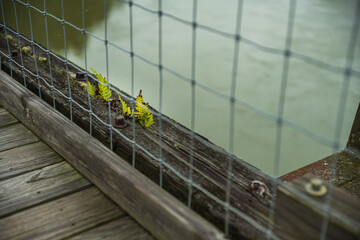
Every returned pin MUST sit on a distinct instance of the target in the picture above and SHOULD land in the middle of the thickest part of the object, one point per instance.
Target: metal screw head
(119, 122)
(316, 187)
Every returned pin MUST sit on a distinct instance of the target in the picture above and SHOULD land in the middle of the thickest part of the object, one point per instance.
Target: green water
(322, 30)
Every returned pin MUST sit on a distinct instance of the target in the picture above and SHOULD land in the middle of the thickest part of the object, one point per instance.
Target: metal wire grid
(346, 71)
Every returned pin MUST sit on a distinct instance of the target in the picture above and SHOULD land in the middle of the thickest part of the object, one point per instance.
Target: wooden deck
(44, 197)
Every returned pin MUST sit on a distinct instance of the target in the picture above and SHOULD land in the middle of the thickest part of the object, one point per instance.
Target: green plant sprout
(125, 109)
(92, 89)
(104, 91)
(144, 116)
(142, 112)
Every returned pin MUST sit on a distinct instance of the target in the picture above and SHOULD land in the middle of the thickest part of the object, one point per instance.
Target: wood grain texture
(296, 218)
(38, 186)
(26, 158)
(61, 218)
(210, 162)
(210, 166)
(6, 118)
(150, 205)
(15, 135)
(124, 228)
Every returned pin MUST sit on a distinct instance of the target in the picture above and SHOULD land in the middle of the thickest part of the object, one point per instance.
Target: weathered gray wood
(354, 137)
(39, 186)
(15, 135)
(145, 201)
(210, 163)
(62, 217)
(124, 228)
(26, 158)
(6, 118)
(297, 218)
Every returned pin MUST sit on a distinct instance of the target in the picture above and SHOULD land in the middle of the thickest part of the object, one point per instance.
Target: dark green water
(322, 30)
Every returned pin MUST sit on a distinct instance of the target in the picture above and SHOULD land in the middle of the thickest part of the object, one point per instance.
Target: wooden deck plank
(26, 158)
(38, 186)
(124, 228)
(61, 218)
(15, 135)
(144, 200)
(6, 118)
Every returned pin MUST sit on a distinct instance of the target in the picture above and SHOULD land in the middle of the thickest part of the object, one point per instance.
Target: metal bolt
(119, 122)
(14, 53)
(80, 76)
(316, 187)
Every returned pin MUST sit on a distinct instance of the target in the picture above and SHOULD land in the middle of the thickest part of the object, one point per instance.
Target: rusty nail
(14, 53)
(316, 187)
(120, 122)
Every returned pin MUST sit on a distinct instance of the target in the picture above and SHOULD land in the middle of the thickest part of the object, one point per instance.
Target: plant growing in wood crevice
(103, 91)
(102, 86)
(143, 114)
(92, 89)
(126, 111)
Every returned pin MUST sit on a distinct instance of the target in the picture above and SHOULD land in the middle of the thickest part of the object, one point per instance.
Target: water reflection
(93, 16)
(321, 30)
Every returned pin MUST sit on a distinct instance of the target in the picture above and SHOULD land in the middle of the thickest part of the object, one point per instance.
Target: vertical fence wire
(19, 43)
(193, 85)
(281, 106)
(237, 40)
(48, 55)
(160, 92)
(107, 74)
(66, 59)
(7, 38)
(132, 76)
(287, 53)
(33, 48)
(340, 115)
(83, 31)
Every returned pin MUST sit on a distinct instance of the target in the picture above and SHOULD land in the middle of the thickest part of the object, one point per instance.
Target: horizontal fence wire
(290, 124)
(347, 72)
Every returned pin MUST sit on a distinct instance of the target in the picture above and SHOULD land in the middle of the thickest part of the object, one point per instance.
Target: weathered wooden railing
(295, 216)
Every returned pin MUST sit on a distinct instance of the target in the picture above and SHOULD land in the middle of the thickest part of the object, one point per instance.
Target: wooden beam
(160, 213)
(210, 162)
(298, 218)
(354, 137)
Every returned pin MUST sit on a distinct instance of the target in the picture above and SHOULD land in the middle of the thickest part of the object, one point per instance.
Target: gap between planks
(32, 176)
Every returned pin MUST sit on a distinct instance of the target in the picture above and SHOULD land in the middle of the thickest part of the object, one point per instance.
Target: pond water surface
(322, 31)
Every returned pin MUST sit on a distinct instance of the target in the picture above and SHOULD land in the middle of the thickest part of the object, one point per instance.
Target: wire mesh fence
(347, 72)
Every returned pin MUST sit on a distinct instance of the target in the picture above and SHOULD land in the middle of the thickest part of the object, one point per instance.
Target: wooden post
(354, 137)
(297, 218)
(160, 213)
